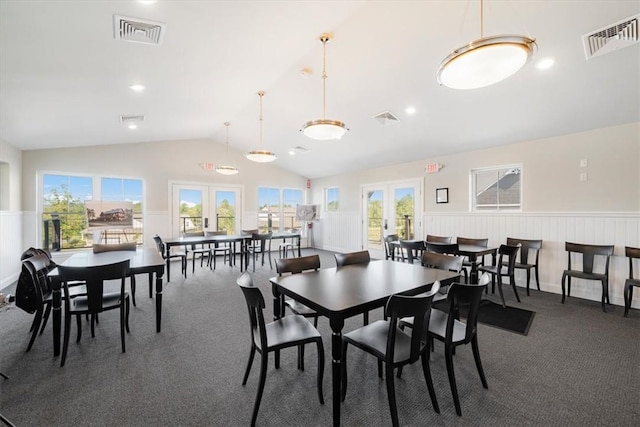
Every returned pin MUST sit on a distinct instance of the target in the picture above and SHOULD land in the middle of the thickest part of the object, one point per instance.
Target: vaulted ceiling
(64, 78)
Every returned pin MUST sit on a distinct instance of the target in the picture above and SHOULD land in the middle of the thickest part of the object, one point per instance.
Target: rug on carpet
(510, 319)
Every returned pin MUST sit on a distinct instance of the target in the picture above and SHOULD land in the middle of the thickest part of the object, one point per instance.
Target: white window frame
(498, 207)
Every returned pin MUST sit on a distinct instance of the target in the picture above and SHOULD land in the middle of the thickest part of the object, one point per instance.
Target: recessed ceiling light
(410, 110)
(147, 1)
(133, 126)
(292, 152)
(545, 63)
(136, 88)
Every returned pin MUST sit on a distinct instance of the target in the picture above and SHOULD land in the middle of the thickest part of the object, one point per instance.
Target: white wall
(11, 214)
(557, 206)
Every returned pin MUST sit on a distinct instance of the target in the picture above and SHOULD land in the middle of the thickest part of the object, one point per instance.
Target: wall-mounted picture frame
(442, 195)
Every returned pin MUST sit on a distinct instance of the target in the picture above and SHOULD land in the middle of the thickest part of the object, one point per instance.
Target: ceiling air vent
(131, 119)
(138, 30)
(386, 119)
(612, 37)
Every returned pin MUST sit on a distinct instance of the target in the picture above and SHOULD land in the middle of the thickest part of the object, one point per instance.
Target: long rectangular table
(342, 293)
(230, 238)
(144, 260)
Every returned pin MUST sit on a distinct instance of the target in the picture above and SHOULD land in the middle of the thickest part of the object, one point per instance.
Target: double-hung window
(496, 188)
(332, 199)
(277, 209)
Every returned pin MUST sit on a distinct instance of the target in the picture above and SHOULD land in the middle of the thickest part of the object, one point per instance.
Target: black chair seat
(289, 330)
(109, 301)
(438, 326)
(373, 339)
(633, 254)
(583, 275)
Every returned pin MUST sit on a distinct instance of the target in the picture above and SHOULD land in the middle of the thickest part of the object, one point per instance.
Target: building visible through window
(498, 188)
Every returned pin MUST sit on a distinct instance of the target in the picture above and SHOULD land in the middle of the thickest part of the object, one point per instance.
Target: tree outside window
(332, 196)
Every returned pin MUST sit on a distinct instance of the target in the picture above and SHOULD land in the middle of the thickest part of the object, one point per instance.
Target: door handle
(385, 225)
(206, 223)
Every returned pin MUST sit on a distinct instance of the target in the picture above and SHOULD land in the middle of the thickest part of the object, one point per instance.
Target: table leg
(473, 275)
(56, 314)
(299, 251)
(336, 365)
(278, 312)
(168, 255)
(158, 301)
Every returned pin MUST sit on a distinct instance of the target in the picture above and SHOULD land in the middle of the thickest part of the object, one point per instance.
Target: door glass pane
(404, 203)
(190, 211)
(374, 219)
(226, 211)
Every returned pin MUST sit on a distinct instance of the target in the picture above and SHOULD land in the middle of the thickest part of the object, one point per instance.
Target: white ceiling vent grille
(387, 118)
(610, 38)
(138, 30)
(131, 119)
(300, 149)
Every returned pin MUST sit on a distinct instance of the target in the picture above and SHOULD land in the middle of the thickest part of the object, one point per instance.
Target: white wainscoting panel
(338, 232)
(10, 246)
(619, 229)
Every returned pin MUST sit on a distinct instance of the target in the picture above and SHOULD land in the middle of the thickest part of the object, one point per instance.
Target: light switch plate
(583, 176)
(583, 163)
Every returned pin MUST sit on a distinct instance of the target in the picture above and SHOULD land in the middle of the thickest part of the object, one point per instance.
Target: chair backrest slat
(511, 252)
(128, 246)
(443, 248)
(442, 261)
(297, 265)
(418, 307)
(255, 305)
(473, 242)
(437, 239)
(351, 258)
(463, 294)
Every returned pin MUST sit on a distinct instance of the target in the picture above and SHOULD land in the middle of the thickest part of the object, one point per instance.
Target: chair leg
(564, 276)
(320, 349)
(263, 376)
(426, 370)
(528, 279)
(252, 353)
(301, 357)
(122, 323)
(504, 305)
(628, 297)
(47, 311)
(169, 269)
(476, 356)
(537, 278)
(79, 328)
(126, 313)
(391, 394)
(605, 295)
(448, 353)
(35, 327)
(365, 318)
(93, 327)
(133, 289)
(512, 279)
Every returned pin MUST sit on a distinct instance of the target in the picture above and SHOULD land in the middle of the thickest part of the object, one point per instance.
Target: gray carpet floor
(577, 366)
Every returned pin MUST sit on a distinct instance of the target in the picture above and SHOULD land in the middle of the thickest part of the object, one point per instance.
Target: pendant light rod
(227, 124)
(260, 94)
(324, 38)
(481, 18)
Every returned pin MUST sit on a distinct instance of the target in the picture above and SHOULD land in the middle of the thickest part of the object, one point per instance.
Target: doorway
(390, 208)
(205, 208)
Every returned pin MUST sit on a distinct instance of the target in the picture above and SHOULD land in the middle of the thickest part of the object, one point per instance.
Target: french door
(390, 208)
(206, 208)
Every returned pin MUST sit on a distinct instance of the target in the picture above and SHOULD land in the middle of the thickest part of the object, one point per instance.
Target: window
(497, 188)
(277, 209)
(64, 212)
(331, 199)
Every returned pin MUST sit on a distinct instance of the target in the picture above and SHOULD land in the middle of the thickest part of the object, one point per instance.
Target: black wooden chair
(223, 249)
(394, 347)
(588, 253)
(411, 250)
(260, 244)
(631, 282)
(448, 249)
(296, 266)
(354, 258)
(528, 248)
(446, 327)
(437, 239)
(390, 248)
(174, 255)
(503, 268)
(442, 262)
(96, 299)
(200, 251)
(288, 331)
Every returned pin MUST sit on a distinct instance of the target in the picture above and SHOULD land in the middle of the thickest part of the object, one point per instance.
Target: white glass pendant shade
(261, 156)
(485, 61)
(227, 170)
(324, 130)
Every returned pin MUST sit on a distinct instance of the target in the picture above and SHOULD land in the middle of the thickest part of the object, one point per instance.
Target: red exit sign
(433, 167)
(208, 166)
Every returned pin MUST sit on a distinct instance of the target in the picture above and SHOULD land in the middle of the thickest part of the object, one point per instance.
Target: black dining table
(473, 252)
(351, 290)
(227, 238)
(143, 260)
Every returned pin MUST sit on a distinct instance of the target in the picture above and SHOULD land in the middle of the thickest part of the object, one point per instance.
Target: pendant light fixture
(324, 129)
(485, 61)
(261, 155)
(227, 169)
